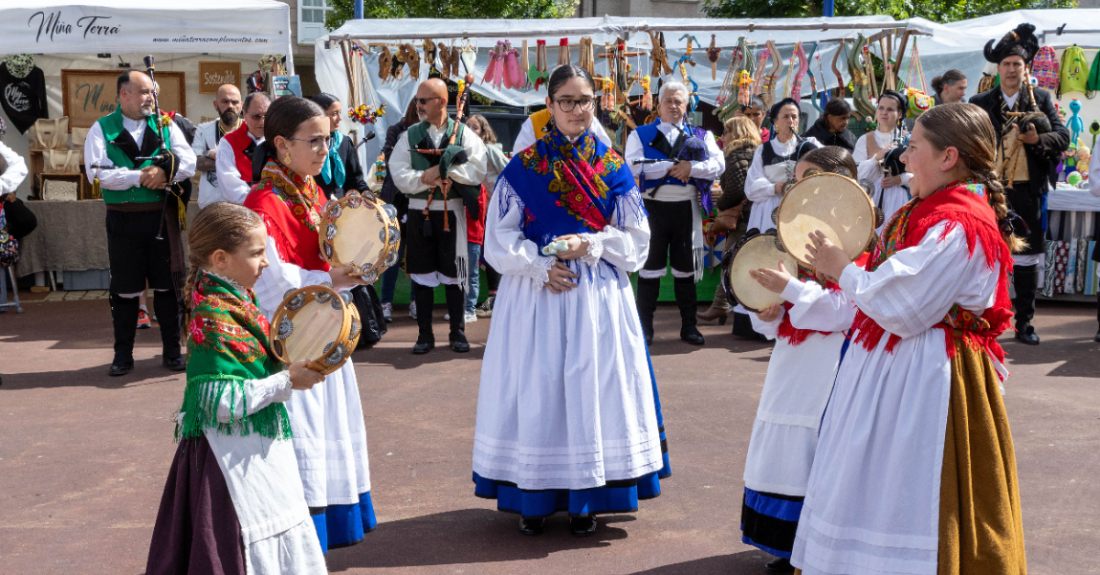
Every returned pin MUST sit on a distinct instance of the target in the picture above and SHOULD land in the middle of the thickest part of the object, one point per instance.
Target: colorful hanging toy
(744, 89)
(364, 114)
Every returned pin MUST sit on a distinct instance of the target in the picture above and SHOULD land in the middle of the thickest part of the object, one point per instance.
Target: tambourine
(760, 251)
(317, 324)
(362, 232)
(838, 206)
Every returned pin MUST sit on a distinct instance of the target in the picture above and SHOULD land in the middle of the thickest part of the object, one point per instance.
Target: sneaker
(470, 317)
(143, 318)
(486, 307)
(387, 312)
(412, 310)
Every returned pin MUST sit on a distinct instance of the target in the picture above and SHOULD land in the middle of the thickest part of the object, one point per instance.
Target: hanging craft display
(647, 96)
(537, 73)
(412, 60)
(658, 55)
(430, 54)
(494, 72)
(468, 57)
(861, 84)
(919, 100)
(840, 91)
(563, 52)
(587, 58)
(772, 79)
(513, 76)
(803, 66)
(712, 54)
(823, 98)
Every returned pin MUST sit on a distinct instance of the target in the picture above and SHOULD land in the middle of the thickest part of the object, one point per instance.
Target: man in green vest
(435, 236)
(139, 159)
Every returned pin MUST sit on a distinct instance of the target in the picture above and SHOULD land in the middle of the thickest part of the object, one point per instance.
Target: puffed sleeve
(506, 247)
(915, 288)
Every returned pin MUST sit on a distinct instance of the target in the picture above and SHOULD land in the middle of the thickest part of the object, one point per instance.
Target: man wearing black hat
(1025, 157)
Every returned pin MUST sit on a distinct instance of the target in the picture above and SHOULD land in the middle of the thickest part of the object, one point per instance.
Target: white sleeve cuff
(539, 270)
(595, 248)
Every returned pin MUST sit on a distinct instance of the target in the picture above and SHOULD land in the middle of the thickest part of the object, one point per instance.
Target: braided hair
(967, 128)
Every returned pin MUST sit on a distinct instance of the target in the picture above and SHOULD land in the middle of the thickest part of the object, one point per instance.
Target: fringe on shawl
(869, 333)
(202, 397)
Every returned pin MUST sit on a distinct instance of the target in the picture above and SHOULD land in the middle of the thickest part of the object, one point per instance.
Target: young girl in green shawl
(233, 502)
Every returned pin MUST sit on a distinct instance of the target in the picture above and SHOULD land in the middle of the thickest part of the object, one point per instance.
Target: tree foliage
(936, 10)
(344, 10)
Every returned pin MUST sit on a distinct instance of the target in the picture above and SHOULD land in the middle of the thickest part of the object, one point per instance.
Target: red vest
(239, 139)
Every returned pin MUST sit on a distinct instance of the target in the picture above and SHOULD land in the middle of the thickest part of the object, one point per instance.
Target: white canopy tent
(73, 34)
(941, 47)
(483, 34)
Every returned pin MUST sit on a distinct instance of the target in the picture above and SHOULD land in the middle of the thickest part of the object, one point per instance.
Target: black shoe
(692, 336)
(582, 526)
(1096, 337)
(121, 367)
(532, 527)
(175, 363)
(1026, 335)
(424, 344)
(779, 566)
(459, 344)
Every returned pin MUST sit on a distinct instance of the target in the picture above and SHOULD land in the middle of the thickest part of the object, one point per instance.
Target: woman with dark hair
(330, 439)
(567, 416)
(808, 330)
(915, 471)
(831, 129)
(873, 148)
(773, 163)
(391, 195)
(342, 170)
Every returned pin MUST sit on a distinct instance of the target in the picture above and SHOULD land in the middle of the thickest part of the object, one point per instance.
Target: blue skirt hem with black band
(769, 521)
(344, 525)
(614, 497)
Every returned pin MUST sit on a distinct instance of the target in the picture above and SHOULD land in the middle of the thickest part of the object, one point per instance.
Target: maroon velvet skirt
(197, 530)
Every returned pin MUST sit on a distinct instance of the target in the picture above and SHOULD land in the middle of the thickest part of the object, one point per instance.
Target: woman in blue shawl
(567, 416)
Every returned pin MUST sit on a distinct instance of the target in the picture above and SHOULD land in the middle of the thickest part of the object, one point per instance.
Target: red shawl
(965, 205)
(290, 206)
(239, 139)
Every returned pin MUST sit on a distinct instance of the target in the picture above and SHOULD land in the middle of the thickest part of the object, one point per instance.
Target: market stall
(61, 59)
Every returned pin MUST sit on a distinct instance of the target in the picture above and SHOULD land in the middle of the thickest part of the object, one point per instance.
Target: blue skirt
(769, 521)
(344, 525)
(614, 497)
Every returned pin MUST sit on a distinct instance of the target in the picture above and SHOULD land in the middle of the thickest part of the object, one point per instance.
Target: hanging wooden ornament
(385, 60)
(469, 58)
(712, 54)
(524, 65)
(563, 52)
(430, 53)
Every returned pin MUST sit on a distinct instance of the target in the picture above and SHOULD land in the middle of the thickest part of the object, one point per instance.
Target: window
(311, 20)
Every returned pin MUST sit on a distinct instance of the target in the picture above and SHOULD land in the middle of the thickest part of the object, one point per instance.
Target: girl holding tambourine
(915, 470)
(809, 333)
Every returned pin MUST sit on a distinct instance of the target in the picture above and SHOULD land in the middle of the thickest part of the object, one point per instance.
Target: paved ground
(83, 457)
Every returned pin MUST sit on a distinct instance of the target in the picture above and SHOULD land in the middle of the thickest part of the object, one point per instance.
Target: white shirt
(1010, 101)
(230, 184)
(408, 180)
(206, 139)
(527, 138)
(112, 178)
(709, 169)
(16, 171)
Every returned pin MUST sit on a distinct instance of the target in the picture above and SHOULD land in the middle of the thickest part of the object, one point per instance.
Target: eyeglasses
(257, 117)
(318, 143)
(423, 101)
(569, 104)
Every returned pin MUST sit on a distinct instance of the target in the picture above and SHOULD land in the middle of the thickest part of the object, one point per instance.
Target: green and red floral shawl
(227, 345)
